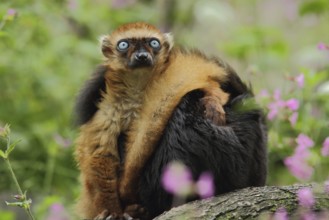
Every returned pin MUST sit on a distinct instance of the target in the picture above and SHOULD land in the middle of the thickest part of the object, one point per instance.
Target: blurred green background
(49, 48)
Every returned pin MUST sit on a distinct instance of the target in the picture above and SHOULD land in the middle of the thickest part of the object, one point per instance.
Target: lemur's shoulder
(231, 82)
(90, 95)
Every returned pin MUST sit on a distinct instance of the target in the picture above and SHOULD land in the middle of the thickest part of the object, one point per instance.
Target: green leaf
(314, 7)
(20, 204)
(2, 154)
(12, 147)
(27, 203)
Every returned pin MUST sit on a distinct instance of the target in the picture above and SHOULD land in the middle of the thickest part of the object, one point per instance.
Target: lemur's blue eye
(123, 45)
(154, 43)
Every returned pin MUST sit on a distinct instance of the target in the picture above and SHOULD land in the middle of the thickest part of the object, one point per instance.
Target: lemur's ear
(105, 45)
(170, 39)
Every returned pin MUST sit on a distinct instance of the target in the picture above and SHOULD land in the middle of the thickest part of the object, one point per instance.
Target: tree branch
(248, 203)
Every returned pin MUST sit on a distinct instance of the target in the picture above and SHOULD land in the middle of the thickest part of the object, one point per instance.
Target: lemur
(133, 94)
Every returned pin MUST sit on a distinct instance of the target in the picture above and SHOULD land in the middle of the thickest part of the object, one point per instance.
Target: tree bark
(249, 203)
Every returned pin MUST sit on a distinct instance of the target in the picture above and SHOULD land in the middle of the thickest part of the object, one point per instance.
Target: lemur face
(137, 45)
(139, 52)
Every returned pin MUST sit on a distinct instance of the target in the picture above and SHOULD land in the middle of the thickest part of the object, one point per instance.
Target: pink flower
(263, 94)
(292, 104)
(304, 143)
(277, 94)
(297, 163)
(300, 80)
(11, 12)
(274, 111)
(61, 141)
(177, 179)
(304, 140)
(322, 46)
(276, 105)
(205, 185)
(305, 197)
(302, 152)
(281, 214)
(57, 207)
(298, 167)
(293, 118)
(274, 108)
(325, 148)
(57, 212)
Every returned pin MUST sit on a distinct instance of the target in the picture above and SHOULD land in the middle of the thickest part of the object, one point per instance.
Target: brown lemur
(144, 80)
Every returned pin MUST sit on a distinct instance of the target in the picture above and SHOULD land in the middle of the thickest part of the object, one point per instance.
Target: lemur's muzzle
(141, 58)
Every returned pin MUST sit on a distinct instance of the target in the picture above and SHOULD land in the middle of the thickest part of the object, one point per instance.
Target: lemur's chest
(122, 100)
(118, 113)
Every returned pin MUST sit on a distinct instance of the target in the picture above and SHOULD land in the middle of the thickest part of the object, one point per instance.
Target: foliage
(22, 200)
(48, 48)
(310, 122)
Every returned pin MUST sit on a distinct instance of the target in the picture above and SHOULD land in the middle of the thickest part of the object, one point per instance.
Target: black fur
(89, 96)
(235, 154)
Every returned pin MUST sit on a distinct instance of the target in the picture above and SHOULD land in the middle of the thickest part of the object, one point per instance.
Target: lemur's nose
(142, 56)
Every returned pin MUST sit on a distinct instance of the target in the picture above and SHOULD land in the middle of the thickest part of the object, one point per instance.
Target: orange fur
(96, 151)
(98, 156)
